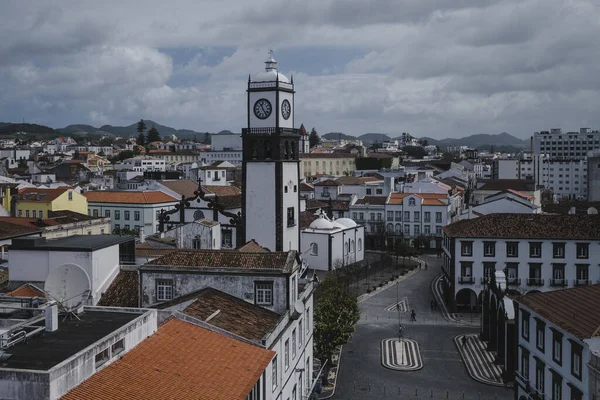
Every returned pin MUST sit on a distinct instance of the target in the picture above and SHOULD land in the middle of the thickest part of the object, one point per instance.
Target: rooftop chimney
(51, 318)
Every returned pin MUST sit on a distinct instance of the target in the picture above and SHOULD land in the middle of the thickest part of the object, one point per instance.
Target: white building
(270, 280)
(142, 164)
(566, 178)
(99, 256)
(270, 168)
(505, 202)
(219, 173)
(539, 252)
(557, 344)
(130, 210)
(330, 244)
(567, 146)
(224, 147)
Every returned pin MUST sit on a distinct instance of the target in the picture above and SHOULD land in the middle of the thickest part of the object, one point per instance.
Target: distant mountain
(337, 136)
(131, 130)
(224, 132)
(370, 138)
(34, 130)
(481, 141)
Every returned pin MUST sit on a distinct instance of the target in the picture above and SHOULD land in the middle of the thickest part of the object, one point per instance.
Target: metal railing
(558, 282)
(535, 281)
(466, 279)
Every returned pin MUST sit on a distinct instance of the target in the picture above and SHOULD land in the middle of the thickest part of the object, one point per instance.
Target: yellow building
(36, 202)
(336, 164)
(5, 193)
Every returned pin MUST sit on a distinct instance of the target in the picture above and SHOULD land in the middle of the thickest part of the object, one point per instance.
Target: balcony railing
(466, 279)
(558, 282)
(513, 281)
(535, 282)
(581, 282)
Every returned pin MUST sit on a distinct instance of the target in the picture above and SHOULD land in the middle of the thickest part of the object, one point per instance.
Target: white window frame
(263, 293)
(164, 289)
(286, 354)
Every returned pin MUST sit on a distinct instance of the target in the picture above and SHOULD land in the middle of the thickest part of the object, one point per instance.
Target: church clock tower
(270, 163)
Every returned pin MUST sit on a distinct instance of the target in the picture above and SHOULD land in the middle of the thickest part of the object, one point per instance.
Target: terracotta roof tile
(312, 204)
(281, 261)
(10, 230)
(41, 195)
(306, 187)
(373, 200)
(521, 194)
(306, 218)
(328, 182)
(528, 226)
(522, 185)
(26, 290)
(180, 361)
(429, 199)
(184, 187)
(564, 308)
(123, 291)
(252, 247)
(234, 315)
(148, 197)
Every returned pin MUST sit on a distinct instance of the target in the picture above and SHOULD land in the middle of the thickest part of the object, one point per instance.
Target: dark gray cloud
(430, 67)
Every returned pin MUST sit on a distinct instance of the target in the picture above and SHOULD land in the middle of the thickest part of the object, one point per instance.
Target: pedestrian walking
(413, 316)
(464, 341)
(426, 266)
(400, 331)
(432, 304)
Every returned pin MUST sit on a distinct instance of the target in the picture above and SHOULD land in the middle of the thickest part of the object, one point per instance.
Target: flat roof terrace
(48, 349)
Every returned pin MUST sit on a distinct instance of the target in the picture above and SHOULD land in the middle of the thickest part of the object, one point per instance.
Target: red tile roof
(429, 199)
(149, 197)
(575, 310)
(228, 312)
(528, 226)
(41, 195)
(123, 291)
(252, 247)
(180, 361)
(328, 182)
(10, 230)
(281, 261)
(27, 290)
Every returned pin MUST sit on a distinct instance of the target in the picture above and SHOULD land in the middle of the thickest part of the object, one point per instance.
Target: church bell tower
(270, 163)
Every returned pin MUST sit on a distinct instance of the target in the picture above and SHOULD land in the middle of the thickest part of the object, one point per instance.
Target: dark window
(512, 249)
(489, 249)
(583, 250)
(535, 250)
(525, 325)
(539, 375)
(489, 269)
(368, 191)
(136, 215)
(291, 219)
(524, 364)
(118, 347)
(558, 250)
(576, 364)
(263, 293)
(557, 347)
(126, 215)
(466, 249)
(102, 357)
(107, 213)
(575, 393)
(540, 335)
(556, 386)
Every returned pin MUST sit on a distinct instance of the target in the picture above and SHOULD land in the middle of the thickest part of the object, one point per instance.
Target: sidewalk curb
(337, 370)
(388, 285)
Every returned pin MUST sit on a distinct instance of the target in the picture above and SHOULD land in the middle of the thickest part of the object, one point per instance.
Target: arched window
(390, 228)
(359, 244)
(314, 249)
(353, 246)
(346, 248)
(398, 229)
(293, 150)
(411, 201)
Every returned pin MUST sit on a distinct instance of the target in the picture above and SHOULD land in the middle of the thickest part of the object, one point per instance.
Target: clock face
(262, 108)
(286, 109)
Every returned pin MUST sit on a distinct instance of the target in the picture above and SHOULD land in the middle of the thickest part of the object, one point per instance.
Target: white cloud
(430, 67)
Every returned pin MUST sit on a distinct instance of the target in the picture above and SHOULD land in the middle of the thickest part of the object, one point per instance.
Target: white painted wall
(260, 199)
(262, 123)
(289, 122)
(291, 234)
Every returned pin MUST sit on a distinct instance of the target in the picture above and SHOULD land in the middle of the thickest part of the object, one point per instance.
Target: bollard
(383, 390)
(446, 394)
(399, 390)
(416, 392)
(431, 394)
(463, 395)
(479, 395)
(369, 384)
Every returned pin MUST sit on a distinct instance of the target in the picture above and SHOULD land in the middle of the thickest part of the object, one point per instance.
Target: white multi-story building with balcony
(558, 344)
(537, 253)
(142, 164)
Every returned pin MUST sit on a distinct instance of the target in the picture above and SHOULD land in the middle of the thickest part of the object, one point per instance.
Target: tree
(414, 151)
(424, 142)
(336, 313)
(314, 138)
(141, 130)
(153, 135)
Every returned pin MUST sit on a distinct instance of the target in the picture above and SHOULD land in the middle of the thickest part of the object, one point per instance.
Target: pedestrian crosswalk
(401, 306)
(479, 361)
(401, 354)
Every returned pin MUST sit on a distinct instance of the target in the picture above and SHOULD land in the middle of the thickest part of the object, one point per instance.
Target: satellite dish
(592, 210)
(299, 306)
(68, 284)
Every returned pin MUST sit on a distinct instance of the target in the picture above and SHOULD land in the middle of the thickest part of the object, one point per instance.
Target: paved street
(371, 365)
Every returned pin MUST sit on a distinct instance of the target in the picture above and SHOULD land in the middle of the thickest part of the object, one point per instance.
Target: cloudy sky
(438, 68)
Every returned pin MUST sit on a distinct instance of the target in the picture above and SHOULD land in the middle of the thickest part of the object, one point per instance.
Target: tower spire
(270, 64)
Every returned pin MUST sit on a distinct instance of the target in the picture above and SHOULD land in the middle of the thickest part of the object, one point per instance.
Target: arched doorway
(466, 300)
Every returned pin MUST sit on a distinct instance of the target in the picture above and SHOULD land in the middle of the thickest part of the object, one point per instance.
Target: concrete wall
(291, 234)
(210, 237)
(240, 286)
(593, 174)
